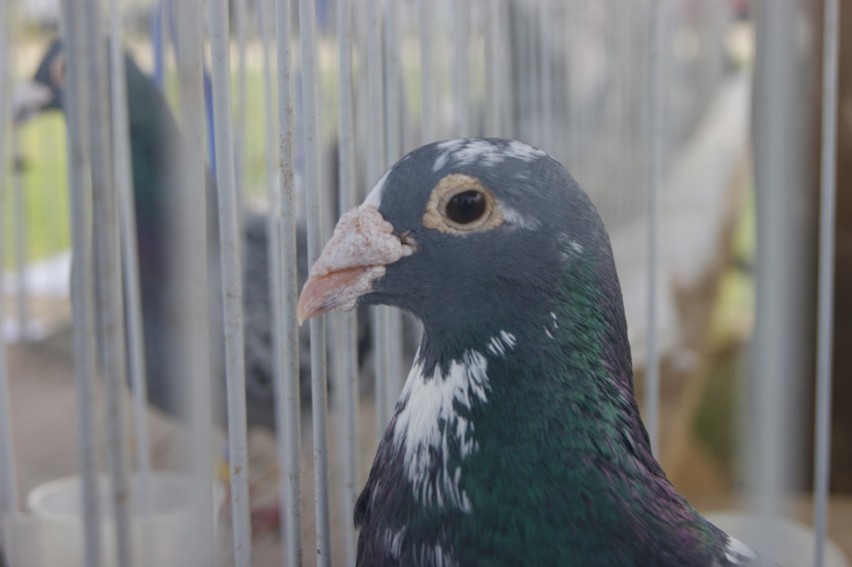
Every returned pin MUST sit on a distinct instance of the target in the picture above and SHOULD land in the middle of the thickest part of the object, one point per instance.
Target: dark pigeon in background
(154, 140)
(517, 439)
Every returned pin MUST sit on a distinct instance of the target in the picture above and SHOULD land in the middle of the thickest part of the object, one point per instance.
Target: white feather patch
(374, 197)
(428, 420)
(499, 344)
(738, 553)
(483, 152)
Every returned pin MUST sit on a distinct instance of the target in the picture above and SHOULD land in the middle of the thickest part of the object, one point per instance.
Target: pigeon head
(44, 91)
(470, 235)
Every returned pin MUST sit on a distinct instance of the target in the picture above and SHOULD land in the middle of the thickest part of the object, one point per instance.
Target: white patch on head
(523, 151)
(440, 162)
(499, 344)
(428, 418)
(514, 218)
(738, 553)
(374, 197)
(463, 152)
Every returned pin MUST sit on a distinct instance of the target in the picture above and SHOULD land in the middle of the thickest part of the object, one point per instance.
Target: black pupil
(466, 207)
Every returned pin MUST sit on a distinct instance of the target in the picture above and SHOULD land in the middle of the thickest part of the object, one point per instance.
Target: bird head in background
(44, 91)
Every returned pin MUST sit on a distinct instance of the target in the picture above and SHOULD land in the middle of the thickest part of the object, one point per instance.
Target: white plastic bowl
(57, 508)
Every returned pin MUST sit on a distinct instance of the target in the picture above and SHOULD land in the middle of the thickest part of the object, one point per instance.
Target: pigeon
(517, 438)
(154, 140)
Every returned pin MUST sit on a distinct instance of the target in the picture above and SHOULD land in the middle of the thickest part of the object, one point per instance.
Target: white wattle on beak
(360, 248)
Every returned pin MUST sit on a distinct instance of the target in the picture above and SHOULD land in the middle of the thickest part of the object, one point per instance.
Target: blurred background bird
(154, 144)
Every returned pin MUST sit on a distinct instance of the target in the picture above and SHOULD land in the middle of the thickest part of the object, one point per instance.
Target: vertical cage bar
(274, 247)
(375, 166)
(783, 176)
(189, 222)
(123, 183)
(20, 239)
(232, 289)
(160, 42)
(287, 406)
(18, 221)
(825, 298)
(507, 82)
(460, 69)
(655, 182)
(240, 19)
(427, 74)
(8, 480)
(82, 297)
(346, 358)
(545, 114)
(319, 389)
(493, 65)
(393, 147)
(111, 336)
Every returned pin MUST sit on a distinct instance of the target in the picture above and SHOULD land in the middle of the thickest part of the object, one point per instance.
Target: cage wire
(616, 90)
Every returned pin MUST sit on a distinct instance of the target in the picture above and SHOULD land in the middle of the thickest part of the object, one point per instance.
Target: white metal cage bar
(825, 284)
(655, 182)
(232, 275)
(346, 345)
(287, 385)
(123, 183)
(189, 221)
(314, 207)
(9, 506)
(82, 296)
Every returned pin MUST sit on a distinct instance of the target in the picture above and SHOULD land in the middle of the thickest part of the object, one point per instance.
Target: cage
(159, 402)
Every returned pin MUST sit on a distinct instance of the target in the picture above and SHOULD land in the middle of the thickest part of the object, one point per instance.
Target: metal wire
(375, 167)
(287, 408)
(319, 388)
(655, 182)
(20, 240)
(427, 75)
(240, 20)
(460, 69)
(189, 222)
(825, 305)
(346, 337)
(232, 289)
(493, 64)
(123, 183)
(111, 336)
(393, 147)
(82, 294)
(8, 473)
(779, 174)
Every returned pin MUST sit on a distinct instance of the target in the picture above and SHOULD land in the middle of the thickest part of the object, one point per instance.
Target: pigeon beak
(28, 99)
(360, 249)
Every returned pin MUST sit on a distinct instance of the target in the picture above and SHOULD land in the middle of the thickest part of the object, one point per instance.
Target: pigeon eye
(461, 204)
(466, 207)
